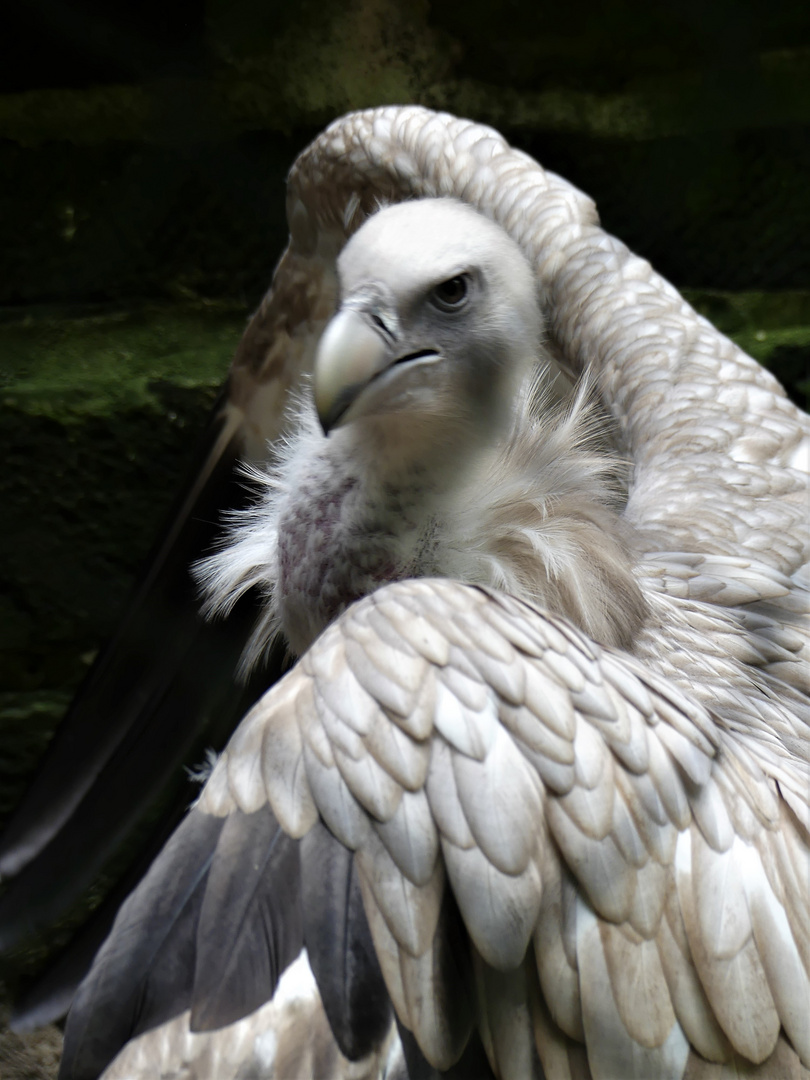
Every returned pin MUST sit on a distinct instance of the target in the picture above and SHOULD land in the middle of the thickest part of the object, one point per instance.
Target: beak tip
(349, 355)
(330, 412)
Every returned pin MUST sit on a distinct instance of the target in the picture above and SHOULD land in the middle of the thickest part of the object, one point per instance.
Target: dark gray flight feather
(339, 946)
(250, 927)
(143, 974)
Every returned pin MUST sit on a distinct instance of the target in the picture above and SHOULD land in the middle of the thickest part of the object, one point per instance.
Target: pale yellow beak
(350, 353)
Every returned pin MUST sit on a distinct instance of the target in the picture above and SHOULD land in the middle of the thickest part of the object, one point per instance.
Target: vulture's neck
(536, 513)
(360, 516)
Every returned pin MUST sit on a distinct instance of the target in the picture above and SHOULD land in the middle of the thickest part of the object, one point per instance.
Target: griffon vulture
(537, 789)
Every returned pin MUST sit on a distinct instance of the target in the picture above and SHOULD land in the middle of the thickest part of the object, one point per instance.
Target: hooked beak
(350, 353)
(359, 361)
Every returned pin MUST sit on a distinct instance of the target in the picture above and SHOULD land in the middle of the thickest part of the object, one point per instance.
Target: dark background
(153, 138)
(143, 150)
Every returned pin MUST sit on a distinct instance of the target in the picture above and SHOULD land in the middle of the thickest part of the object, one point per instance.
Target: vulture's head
(438, 321)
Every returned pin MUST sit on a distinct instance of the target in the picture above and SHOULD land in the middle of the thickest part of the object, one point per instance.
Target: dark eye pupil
(452, 291)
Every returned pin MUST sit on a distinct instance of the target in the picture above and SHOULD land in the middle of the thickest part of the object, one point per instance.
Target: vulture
(533, 799)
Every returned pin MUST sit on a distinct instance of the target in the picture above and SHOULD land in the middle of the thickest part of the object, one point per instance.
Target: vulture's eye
(450, 295)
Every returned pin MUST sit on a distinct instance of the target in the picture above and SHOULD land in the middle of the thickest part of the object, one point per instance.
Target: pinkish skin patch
(324, 565)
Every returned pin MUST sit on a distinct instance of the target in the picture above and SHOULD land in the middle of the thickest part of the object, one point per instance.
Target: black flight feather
(115, 696)
(250, 927)
(339, 946)
(144, 972)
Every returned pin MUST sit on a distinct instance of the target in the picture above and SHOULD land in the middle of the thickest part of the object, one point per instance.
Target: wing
(164, 689)
(275, 351)
(288, 1037)
(702, 422)
(553, 845)
(717, 449)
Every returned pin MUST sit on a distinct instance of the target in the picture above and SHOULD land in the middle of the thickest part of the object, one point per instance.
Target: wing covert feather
(578, 872)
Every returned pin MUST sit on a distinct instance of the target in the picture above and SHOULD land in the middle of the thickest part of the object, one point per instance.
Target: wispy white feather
(538, 516)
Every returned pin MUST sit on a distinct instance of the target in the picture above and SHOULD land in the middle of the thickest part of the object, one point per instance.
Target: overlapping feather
(654, 927)
(622, 838)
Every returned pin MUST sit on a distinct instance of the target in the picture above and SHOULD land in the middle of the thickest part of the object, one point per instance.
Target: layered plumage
(454, 453)
(542, 780)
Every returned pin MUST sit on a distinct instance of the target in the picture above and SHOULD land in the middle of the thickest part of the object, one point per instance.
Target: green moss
(740, 312)
(99, 418)
(81, 116)
(68, 368)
